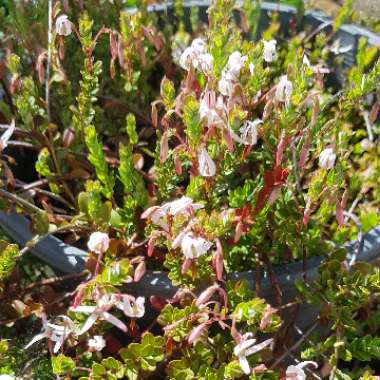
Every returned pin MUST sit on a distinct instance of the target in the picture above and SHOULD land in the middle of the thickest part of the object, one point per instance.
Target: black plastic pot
(68, 259)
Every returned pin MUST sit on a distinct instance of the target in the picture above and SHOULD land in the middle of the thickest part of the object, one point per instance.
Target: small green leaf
(62, 364)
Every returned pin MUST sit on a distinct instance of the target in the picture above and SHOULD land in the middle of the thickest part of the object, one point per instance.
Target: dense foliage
(156, 141)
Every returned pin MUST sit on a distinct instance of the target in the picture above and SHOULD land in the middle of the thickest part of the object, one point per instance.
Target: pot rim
(69, 259)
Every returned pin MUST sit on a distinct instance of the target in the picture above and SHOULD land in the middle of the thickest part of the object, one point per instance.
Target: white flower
(211, 109)
(246, 348)
(196, 55)
(235, 64)
(132, 307)
(269, 52)
(305, 61)
(194, 247)
(63, 26)
(53, 332)
(284, 90)
(231, 72)
(7, 377)
(199, 46)
(97, 343)
(205, 63)
(226, 84)
(206, 165)
(327, 159)
(99, 242)
(186, 58)
(296, 372)
(100, 311)
(249, 132)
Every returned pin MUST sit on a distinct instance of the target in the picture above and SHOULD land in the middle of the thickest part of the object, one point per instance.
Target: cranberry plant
(202, 155)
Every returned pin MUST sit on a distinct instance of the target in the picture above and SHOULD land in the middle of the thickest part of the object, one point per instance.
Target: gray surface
(69, 259)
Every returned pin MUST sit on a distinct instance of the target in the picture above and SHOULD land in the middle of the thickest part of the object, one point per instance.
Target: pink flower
(327, 159)
(194, 247)
(100, 311)
(206, 165)
(269, 52)
(208, 109)
(99, 242)
(132, 307)
(248, 347)
(63, 26)
(249, 132)
(157, 215)
(181, 206)
(296, 372)
(284, 90)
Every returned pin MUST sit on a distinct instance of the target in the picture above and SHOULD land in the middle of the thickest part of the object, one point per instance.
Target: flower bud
(207, 167)
(98, 242)
(63, 26)
(196, 333)
(139, 271)
(327, 159)
(205, 296)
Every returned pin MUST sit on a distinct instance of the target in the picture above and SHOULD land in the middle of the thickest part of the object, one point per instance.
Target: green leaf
(62, 364)
(180, 370)
(98, 160)
(131, 129)
(143, 356)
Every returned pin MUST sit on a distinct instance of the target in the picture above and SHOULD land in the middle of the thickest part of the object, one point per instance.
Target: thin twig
(54, 280)
(273, 280)
(21, 201)
(295, 345)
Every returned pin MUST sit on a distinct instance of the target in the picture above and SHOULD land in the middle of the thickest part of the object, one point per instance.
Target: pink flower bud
(228, 139)
(151, 243)
(280, 149)
(267, 315)
(196, 333)
(205, 296)
(164, 147)
(139, 271)
(207, 167)
(186, 265)
(113, 44)
(339, 213)
(303, 154)
(218, 261)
